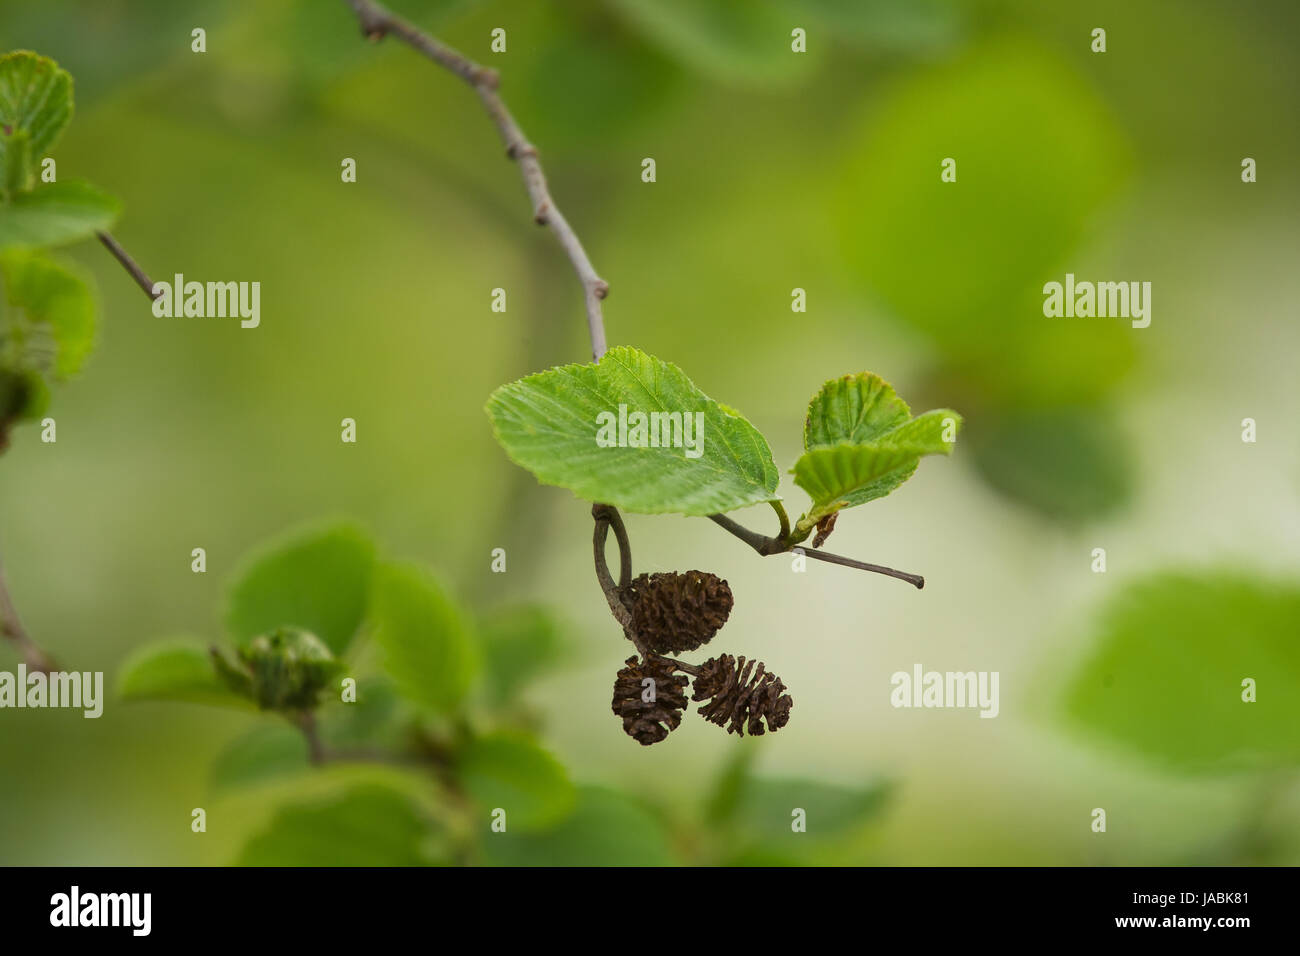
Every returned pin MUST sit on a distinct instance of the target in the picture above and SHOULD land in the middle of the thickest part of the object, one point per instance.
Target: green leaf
(518, 644)
(549, 424)
(1068, 464)
(507, 770)
(1165, 679)
(845, 475)
(268, 750)
(175, 670)
(908, 26)
(56, 213)
(35, 103)
(606, 828)
(767, 809)
(428, 650)
(862, 443)
(855, 408)
(317, 579)
(368, 825)
(50, 327)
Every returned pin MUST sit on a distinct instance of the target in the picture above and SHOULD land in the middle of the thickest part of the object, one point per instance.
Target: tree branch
(768, 546)
(129, 264)
(378, 22)
(12, 627)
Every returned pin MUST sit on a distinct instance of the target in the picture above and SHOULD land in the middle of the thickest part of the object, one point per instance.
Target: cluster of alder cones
(674, 612)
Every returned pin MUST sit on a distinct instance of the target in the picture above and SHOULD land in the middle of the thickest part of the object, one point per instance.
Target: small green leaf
(845, 475)
(175, 670)
(50, 328)
(367, 825)
(317, 579)
(605, 828)
(35, 99)
(507, 770)
(854, 408)
(518, 644)
(55, 214)
(428, 650)
(575, 426)
(1166, 680)
(862, 443)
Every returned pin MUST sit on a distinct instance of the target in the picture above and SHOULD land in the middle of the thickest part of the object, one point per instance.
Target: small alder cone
(649, 711)
(743, 695)
(674, 612)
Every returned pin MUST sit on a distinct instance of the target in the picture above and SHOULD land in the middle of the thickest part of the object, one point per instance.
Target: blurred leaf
(175, 670)
(56, 213)
(745, 41)
(15, 166)
(586, 67)
(605, 828)
(548, 423)
(907, 26)
(508, 770)
(50, 326)
(518, 644)
(1068, 464)
(428, 650)
(1165, 679)
(368, 825)
(267, 750)
(729, 787)
(23, 395)
(767, 807)
(1037, 155)
(318, 580)
(35, 99)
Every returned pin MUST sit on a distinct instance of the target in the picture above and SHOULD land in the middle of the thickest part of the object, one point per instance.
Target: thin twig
(12, 627)
(769, 546)
(129, 264)
(378, 22)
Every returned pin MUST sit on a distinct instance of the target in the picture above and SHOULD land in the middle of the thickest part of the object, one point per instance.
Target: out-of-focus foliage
(1199, 672)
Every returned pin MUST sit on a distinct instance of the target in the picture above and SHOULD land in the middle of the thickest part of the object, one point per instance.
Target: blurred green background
(775, 171)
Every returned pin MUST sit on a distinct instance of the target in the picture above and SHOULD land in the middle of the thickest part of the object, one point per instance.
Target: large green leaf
(428, 649)
(1165, 679)
(175, 670)
(317, 580)
(35, 106)
(56, 213)
(549, 424)
(508, 770)
(606, 828)
(367, 825)
(50, 325)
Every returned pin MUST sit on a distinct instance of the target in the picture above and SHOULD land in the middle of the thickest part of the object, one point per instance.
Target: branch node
(600, 288)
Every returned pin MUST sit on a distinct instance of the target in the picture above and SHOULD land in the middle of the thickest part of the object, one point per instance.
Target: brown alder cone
(649, 722)
(743, 695)
(675, 611)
